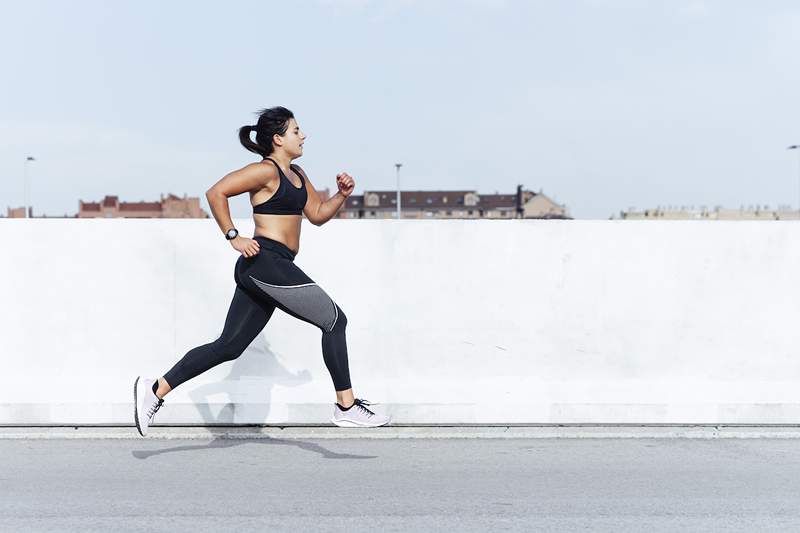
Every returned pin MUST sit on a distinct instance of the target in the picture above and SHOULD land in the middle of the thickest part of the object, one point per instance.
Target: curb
(406, 432)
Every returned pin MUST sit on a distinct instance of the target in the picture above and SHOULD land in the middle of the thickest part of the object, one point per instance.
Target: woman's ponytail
(247, 142)
(272, 121)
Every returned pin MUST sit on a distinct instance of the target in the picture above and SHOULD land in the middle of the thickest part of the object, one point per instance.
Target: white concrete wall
(449, 321)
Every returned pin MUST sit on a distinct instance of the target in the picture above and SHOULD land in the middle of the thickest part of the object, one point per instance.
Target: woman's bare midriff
(281, 228)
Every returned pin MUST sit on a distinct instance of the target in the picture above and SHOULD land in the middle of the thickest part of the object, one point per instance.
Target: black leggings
(264, 282)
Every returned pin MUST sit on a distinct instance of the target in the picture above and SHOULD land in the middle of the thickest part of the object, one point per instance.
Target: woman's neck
(283, 161)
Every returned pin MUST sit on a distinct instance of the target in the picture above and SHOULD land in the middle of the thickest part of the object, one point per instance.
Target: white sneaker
(145, 404)
(358, 416)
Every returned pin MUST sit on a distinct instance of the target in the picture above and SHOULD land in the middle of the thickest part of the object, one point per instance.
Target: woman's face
(293, 139)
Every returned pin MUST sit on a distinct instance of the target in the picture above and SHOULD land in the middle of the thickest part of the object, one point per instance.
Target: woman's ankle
(345, 398)
(163, 388)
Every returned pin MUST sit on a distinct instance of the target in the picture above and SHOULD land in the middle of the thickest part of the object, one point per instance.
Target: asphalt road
(400, 485)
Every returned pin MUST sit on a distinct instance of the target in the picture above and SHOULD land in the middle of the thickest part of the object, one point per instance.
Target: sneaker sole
(136, 405)
(349, 424)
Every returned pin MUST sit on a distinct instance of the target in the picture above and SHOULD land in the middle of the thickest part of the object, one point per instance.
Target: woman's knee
(226, 350)
(341, 319)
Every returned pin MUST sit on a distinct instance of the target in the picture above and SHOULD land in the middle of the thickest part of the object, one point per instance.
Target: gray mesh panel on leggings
(307, 300)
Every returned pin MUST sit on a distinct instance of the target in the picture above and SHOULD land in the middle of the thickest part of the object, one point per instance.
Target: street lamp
(28, 159)
(397, 166)
(797, 147)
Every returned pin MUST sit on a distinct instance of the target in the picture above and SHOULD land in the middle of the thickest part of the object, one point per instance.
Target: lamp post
(797, 147)
(28, 160)
(397, 166)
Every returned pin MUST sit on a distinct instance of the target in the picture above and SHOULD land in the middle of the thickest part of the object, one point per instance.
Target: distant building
(751, 212)
(169, 206)
(324, 194)
(17, 212)
(452, 204)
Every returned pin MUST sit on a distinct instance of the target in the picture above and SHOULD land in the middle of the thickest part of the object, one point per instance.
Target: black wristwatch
(231, 234)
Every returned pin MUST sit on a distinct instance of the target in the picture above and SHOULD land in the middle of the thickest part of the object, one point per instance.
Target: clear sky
(602, 104)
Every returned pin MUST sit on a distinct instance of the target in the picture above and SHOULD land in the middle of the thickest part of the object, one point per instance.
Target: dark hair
(274, 120)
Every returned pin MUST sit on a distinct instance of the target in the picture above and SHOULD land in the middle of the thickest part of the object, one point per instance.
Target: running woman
(265, 274)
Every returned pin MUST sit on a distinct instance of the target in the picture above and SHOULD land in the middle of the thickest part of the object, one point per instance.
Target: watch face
(232, 233)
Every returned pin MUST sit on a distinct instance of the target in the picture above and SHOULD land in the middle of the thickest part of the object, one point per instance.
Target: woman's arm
(319, 212)
(253, 176)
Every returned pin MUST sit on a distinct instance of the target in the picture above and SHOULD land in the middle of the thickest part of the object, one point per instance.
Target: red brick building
(169, 206)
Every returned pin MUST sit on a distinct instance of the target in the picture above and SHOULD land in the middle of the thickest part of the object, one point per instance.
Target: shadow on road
(220, 442)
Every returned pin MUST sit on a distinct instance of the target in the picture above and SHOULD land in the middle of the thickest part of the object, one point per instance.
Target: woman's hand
(248, 247)
(345, 183)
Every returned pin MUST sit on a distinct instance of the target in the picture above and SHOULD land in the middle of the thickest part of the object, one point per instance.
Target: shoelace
(361, 405)
(154, 408)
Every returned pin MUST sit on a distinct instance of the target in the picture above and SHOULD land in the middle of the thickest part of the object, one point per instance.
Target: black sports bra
(288, 199)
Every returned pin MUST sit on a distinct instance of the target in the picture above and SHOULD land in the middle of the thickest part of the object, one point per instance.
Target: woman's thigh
(247, 316)
(281, 281)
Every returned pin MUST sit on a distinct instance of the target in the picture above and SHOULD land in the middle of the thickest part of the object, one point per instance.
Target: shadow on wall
(248, 386)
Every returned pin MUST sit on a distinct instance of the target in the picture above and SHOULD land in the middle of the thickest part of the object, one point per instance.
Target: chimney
(520, 210)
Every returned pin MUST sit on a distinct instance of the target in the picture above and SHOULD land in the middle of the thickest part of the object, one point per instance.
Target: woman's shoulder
(262, 168)
(256, 173)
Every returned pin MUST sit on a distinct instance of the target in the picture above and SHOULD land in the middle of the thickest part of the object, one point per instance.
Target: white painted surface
(448, 321)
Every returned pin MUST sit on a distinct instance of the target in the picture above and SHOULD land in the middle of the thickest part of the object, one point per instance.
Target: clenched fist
(345, 183)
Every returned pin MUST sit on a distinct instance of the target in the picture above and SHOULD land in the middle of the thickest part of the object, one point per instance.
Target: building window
(394, 201)
(413, 200)
(469, 212)
(372, 213)
(428, 200)
(449, 213)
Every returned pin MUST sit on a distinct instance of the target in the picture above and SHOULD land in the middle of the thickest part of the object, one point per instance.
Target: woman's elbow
(213, 193)
(313, 216)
